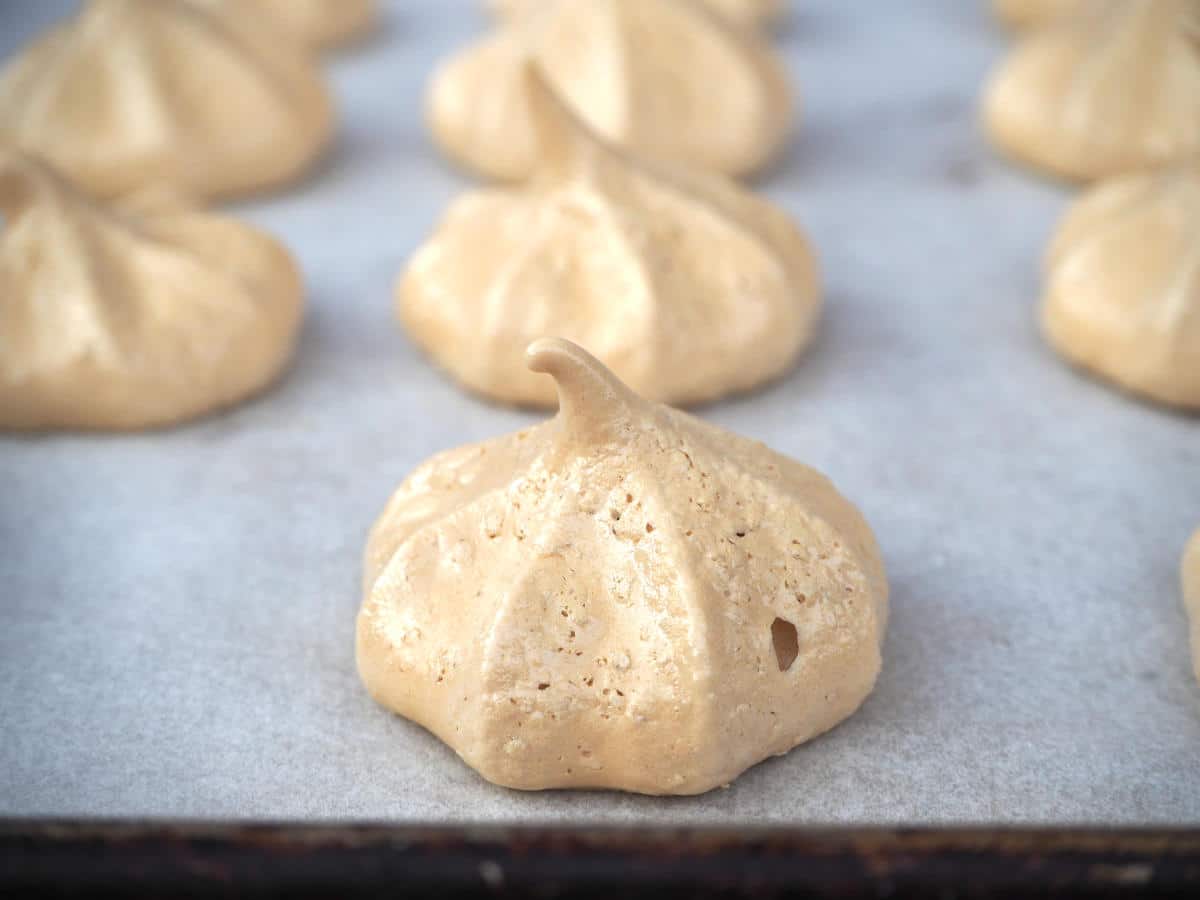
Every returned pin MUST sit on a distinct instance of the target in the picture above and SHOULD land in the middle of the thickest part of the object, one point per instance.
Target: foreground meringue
(129, 319)
(1113, 89)
(1191, 595)
(689, 287)
(623, 597)
(661, 77)
(137, 92)
(743, 12)
(1035, 13)
(1123, 284)
(315, 23)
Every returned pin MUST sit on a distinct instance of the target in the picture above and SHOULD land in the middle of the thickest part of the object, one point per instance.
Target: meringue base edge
(623, 597)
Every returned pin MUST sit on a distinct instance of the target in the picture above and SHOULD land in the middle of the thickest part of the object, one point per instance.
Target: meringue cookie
(1123, 284)
(661, 77)
(315, 23)
(137, 92)
(1111, 90)
(689, 287)
(753, 13)
(131, 317)
(1035, 13)
(624, 597)
(1191, 595)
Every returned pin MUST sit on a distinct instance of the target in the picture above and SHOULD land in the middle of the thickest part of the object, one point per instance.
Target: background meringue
(1113, 89)
(661, 77)
(315, 23)
(1123, 284)
(131, 318)
(689, 287)
(623, 597)
(743, 12)
(1034, 13)
(137, 92)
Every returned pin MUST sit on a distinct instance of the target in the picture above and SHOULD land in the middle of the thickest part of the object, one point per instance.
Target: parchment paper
(178, 607)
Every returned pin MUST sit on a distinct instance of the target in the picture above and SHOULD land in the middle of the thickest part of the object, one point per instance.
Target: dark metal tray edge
(95, 858)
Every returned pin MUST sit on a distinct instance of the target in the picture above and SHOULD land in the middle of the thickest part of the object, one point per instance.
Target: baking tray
(179, 606)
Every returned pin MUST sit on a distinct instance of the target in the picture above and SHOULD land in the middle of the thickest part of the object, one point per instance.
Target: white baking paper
(178, 607)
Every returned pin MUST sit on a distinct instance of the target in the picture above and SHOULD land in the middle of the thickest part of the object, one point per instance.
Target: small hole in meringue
(785, 643)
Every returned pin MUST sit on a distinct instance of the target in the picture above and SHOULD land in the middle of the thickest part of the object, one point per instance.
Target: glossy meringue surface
(130, 93)
(686, 285)
(743, 12)
(1122, 292)
(665, 78)
(1113, 89)
(133, 316)
(1191, 595)
(623, 597)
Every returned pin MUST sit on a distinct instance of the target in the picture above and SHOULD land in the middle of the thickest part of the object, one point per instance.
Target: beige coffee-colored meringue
(134, 316)
(1191, 595)
(686, 285)
(1112, 90)
(1122, 294)
(662, 77)
(131, 93)
(623, 597)
(315, 23)
(1036, 13)
(755, 13)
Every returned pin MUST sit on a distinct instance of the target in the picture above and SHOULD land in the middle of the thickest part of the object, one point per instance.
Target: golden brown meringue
(1123, 284)
(1191, 595)
(1114, 89)
(744, 12)
(315, 23)
(1035, 13)
(661, 77)
(689, 287)
(138, 92)
(623, 597)
(131, 317)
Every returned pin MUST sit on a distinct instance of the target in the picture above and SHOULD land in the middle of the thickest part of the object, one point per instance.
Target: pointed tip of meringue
(566, 143)
(591, 398)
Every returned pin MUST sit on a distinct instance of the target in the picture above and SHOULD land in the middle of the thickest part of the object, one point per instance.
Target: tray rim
(155, 858)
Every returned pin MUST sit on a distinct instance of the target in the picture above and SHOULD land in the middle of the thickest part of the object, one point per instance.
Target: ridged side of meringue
(629, 69)
(132, 317)
(1122, 295)
(131, 93)
(1191, 595)
(689, 287)
(1112, 90)
(623, 597)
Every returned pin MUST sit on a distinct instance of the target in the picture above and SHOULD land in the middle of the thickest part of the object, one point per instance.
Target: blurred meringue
(624, 597)
(754, 13)
(686, 285)
(1111, 90)
(131, 93)
(662, 77)
(1123, 284)
(1023, 14)
(134, 316)
(319, 24)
